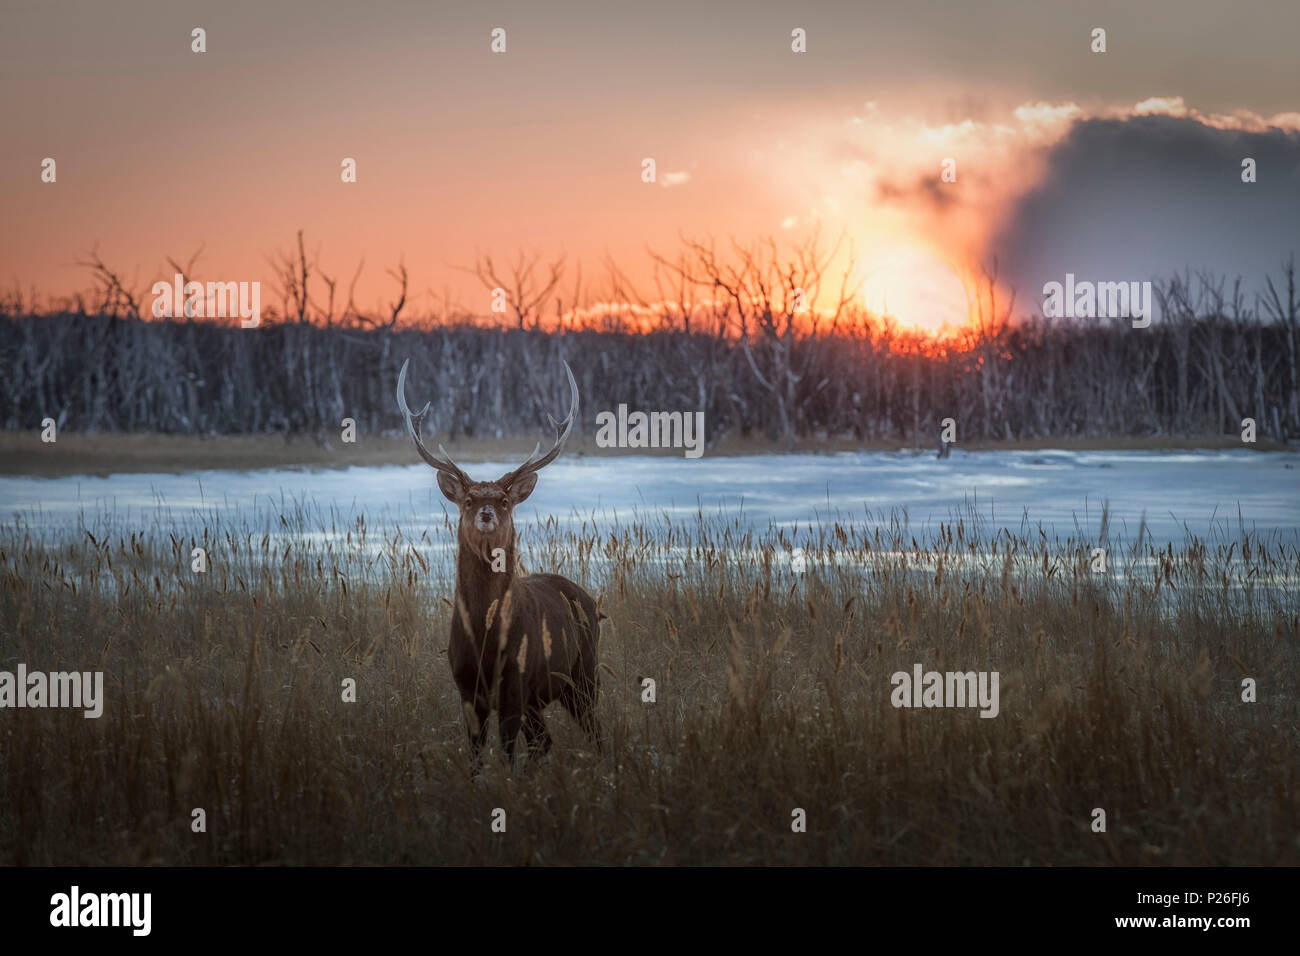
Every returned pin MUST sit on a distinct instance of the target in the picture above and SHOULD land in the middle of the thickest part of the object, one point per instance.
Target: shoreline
(22, 454)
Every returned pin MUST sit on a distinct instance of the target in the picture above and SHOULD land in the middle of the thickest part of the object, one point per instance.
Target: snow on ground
(1212, 494)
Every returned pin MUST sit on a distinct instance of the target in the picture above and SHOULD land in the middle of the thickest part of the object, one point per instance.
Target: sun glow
(915, 288)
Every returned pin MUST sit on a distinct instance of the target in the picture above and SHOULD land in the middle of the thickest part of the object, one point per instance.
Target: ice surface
(1207, 493)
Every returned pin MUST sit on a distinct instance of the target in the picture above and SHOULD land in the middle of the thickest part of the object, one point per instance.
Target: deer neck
(478, 585)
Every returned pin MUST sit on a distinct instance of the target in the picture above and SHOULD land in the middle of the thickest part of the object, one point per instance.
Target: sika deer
(517, 641)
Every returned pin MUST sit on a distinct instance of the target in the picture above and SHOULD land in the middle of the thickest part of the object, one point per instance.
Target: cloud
(1241, 119)
(1155, 193)
(1131, 189)
(930, 189)
(951, 132)
(1040, 113)
(1168, 105)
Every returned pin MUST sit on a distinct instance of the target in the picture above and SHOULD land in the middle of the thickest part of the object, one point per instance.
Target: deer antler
(534, 463)
(444, 464)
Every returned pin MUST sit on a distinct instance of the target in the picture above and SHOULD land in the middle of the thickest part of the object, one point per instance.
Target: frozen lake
(1211, 494)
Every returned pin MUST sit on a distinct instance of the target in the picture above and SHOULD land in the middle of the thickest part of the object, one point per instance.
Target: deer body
(518, 642)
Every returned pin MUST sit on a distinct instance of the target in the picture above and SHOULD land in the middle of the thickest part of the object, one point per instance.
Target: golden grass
(1117, 691)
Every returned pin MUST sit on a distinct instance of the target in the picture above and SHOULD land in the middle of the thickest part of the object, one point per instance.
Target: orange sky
(461, 151)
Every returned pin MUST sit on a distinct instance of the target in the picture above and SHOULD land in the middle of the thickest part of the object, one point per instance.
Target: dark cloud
(930, 189)
(1153, 195)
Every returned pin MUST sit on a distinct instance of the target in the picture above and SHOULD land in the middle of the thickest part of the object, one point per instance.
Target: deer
(518, 641)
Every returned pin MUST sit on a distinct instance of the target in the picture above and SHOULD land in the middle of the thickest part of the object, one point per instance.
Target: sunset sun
(913, 287)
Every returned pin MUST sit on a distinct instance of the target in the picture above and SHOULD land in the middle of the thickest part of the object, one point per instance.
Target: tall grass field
(1122, 691)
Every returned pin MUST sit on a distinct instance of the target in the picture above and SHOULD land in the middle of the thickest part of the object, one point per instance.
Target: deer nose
(485, 514)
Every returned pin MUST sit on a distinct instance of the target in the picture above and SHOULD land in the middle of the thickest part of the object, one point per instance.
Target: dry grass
(23, 453)
(1121, 692)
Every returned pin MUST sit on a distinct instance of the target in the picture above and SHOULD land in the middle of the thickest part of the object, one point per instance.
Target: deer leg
(476, 724)
(588, 694)
(510, 715)
(581, 703)
(591, 726)
(536, 734)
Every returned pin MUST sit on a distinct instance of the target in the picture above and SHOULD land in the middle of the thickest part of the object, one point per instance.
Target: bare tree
(526, 289)
(1286, 313)
(186, 272)
(986, 330)
(115, 297)
(764, 294)
(292, 275)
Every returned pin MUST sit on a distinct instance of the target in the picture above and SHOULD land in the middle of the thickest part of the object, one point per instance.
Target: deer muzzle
(485, 519)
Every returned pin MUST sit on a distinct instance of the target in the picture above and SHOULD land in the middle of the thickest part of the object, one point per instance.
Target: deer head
(487, 507)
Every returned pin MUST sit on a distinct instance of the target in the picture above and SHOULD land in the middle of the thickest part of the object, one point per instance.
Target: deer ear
(451, 487)
(522, 487)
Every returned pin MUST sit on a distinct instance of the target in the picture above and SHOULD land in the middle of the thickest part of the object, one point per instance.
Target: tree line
(730, 341)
